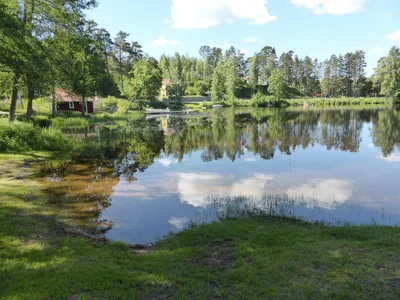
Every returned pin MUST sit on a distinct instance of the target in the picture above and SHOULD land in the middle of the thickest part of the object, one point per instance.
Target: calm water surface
(158, 175)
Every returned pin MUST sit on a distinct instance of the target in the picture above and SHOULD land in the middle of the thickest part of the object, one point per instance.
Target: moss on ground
(253, 258)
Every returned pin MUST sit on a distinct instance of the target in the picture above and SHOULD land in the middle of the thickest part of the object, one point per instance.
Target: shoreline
(254, 257)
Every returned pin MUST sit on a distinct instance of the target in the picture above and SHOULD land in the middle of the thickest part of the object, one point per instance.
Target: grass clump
(27, 137)
(70, 123)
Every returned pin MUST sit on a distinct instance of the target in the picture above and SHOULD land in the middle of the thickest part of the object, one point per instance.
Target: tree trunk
(53, 105)
(29, 108)
(14, 98)
(20, 100)
(83, 105)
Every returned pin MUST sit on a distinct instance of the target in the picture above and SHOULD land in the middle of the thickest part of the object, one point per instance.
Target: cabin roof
(63, 95)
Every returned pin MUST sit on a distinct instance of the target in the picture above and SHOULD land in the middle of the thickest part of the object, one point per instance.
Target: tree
(218, 83)
(254, 72)
(145, 81)
(388, 73)
(124, 56)
(276, 84)
(231, 78)
(267, 63)
(286, 65)
(26, 26)
(89, 65)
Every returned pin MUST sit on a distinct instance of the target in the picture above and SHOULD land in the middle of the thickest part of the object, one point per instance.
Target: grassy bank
(42, 257)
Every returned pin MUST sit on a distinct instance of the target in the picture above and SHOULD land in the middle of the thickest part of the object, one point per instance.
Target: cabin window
(71, 105)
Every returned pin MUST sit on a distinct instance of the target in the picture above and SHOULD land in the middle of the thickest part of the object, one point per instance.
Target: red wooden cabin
(68, 101)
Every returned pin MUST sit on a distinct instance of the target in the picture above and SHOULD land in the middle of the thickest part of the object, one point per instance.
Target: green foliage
(201, 87)
(191, 91)
(70, 123)
(110, 104)
(261, 100)
(320, 102)
(145, 83)
(344, 75)
(175, 92)
(276, 84)
(388, 73)
(41, 121)
(123, 55)
(26, 137)
(218, 83)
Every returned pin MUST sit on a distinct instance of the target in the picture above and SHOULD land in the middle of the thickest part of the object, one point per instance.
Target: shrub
(25, 137)
(191, 91)
(201, 87)
(110, 104)
(41, 121)
(260, 100)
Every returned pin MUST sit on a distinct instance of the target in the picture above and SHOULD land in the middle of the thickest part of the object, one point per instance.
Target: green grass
(341, 101)
(317, 102)
(18, 137)
(250, 258)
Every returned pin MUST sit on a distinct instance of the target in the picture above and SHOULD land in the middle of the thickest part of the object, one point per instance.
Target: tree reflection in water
(118, 151)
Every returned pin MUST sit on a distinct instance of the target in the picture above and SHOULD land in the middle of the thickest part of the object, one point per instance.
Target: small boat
(217, 106)
(157, 111)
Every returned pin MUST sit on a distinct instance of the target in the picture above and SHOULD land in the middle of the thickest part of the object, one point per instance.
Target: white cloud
(179, 223)
(325, 191)
(191, 14)
(335, 7)
(394, 35)
(244, 51)
(377, 50)
(166, 162)
(224, 46)
(250, 39)
(250, 159)
(392, 158)
(194, 187)
(163, 41)
(166, 21)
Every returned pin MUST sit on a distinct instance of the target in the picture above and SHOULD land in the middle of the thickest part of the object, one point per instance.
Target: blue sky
(317, 28)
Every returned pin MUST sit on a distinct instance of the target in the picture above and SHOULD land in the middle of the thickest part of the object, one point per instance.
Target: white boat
(157, 111)
(217, 106)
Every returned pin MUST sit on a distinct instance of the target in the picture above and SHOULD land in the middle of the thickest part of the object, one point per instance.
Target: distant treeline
(50, 44)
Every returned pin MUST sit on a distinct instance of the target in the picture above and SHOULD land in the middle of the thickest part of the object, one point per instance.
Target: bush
(25, 137)
(191, 91)
(41, 121)
(260, 100)
(201, 87)
(110, 104)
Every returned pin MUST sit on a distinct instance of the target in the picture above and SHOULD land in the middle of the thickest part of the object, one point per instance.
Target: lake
(155, 176)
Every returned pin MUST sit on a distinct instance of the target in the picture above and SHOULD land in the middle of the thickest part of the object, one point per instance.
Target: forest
(47, 45)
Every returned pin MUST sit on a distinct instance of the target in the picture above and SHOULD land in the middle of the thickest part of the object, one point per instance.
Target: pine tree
(218, 83)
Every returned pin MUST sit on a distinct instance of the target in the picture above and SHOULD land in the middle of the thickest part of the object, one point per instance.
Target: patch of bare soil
(219, 255)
